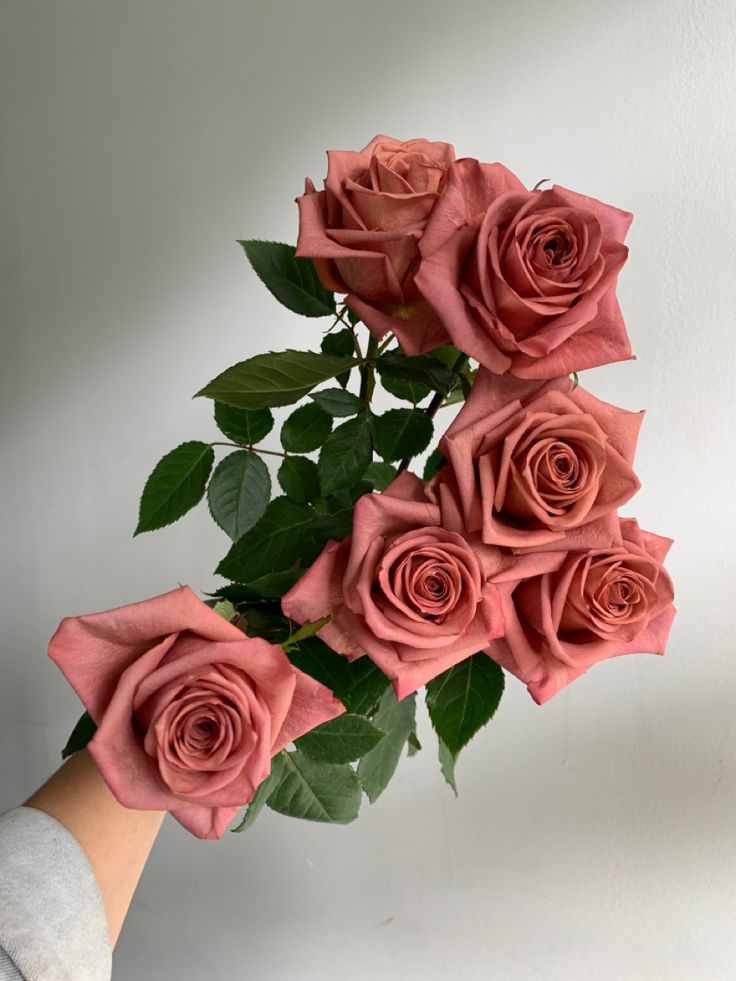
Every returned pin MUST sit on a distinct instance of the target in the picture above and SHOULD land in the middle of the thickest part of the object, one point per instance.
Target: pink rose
(598, 604)
(189, 710)
(411, 595)
(524, 281)
(363, 229)
(531, 464)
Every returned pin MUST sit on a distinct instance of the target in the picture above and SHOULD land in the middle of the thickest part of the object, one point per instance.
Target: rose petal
(92, 651)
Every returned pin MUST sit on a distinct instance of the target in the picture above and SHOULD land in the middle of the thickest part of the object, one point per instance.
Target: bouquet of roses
(359, 582)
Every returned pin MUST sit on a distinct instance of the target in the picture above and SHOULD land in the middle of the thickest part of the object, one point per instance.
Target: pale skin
(116, 840)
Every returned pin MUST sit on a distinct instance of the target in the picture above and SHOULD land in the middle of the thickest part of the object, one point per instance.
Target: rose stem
(253, 449)
(368, 372)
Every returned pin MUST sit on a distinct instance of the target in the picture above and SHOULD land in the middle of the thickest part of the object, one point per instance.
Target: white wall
(594, 838)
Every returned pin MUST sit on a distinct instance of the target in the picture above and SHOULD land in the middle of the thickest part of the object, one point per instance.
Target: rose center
(620, 595)
(553, 248)
(558, 469)
(556, 249)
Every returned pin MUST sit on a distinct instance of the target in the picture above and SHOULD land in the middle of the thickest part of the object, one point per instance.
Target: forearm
(116, 840)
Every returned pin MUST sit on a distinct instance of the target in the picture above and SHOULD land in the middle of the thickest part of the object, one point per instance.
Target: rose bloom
(597, 604)
(189, 710)
(524, 281)
(531, 464)
(413, 596)
(363, 229)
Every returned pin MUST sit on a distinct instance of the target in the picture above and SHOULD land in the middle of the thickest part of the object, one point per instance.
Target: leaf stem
(253, 449)
(340, 315)
(384, 344)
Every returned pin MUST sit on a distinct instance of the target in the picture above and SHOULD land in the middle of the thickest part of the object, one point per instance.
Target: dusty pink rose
(598, 604)
(530, 464)
(189, 710)
(363, 229)
(524, 281)
(411, 595)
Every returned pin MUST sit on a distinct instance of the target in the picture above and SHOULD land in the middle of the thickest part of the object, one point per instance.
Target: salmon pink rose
(524, 281)
(413, 596)
(599, 603)
(189, 710)
(363, 229)
(530, 464)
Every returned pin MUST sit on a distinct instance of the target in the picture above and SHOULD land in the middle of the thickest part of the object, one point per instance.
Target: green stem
(439, 397)
(340, 316)
(253, 449)
(384, 344)
(368, 372)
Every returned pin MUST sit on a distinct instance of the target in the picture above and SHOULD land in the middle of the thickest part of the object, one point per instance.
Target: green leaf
(447, 764)
(424, 370)
(339, 344)
(461, 389)
(272, 545)
(377, 767)
(175, 486)
(292, 280)
(308, 629)
(274, 379)
(306, 428)
(341, 740)
(317, 791)
(268, 623)
(337, 525)
(245, 426)
(358, 684)
(464, 699)
(402, 433)
(345, 455)
(405, 389)
(432, 465)
(82, 732)
(239, 492)
(413, 744)
(338, 402)
(368, 684)
(225, 609)
(446, 354)
(273, 585)
(264, 791)
(379, 474)
(320, 662)
(352, 316)
(299, 479)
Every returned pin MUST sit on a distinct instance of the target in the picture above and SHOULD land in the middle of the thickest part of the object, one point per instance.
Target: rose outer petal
(92, 651)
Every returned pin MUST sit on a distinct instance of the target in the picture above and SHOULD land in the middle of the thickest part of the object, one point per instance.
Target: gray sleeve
(52, 921)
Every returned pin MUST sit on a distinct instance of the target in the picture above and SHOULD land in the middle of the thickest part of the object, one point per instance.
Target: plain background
(594, 837)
